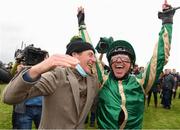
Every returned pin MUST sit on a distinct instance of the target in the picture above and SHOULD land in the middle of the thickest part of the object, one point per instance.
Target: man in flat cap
(65, 81)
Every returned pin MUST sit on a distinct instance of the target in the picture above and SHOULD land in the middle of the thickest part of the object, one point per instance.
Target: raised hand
(80, 16)
(167, 13)
(166, 6)
(52, 62)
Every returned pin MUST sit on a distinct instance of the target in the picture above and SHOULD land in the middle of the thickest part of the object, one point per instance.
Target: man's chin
(88, 71)
(119, 76)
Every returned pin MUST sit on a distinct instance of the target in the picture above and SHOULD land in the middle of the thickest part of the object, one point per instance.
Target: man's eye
(91, 54)
(125, 59)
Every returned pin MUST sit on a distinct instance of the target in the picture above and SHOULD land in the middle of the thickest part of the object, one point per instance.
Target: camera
(30, 55)
(103, 44)
(5, 75)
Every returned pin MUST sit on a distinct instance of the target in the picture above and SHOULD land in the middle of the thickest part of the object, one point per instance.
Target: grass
(154, 118)
(5, 112)
(160, 118)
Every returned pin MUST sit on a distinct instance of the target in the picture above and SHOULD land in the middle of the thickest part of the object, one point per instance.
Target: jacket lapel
(86, 106)
(75, 89)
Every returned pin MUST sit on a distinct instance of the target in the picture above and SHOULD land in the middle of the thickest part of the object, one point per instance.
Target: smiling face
(87, 60)
(120, 65)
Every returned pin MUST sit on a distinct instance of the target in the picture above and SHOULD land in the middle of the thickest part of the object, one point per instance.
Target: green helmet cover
(121, 47)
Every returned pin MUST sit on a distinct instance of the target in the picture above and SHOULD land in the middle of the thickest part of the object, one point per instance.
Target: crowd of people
(165, 87)
(73, 84)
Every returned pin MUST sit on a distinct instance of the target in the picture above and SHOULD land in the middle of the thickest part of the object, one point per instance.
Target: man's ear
(132, 66)
(75, 54)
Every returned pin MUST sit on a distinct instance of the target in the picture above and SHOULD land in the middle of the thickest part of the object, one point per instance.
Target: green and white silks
(128, 96)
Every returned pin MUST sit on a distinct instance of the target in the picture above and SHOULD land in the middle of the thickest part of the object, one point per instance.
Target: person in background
(168, 83)
(5, 75)
(28, 111)
(156, 88)
(178, 83)
(135, 70)
(153, 90)
(175, 87)
(141, 69)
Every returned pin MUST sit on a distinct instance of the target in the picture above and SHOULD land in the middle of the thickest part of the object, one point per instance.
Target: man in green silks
(121, 99)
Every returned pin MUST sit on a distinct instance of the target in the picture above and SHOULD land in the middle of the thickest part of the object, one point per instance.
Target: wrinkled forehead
(87, 52)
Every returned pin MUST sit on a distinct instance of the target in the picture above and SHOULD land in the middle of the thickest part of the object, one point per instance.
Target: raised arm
(161, 50)
(98, 69)
(29, 83)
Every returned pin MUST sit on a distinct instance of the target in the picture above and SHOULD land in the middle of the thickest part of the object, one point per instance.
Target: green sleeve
(159, 58)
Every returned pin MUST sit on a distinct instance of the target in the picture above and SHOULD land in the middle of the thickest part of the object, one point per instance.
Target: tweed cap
(78, 46)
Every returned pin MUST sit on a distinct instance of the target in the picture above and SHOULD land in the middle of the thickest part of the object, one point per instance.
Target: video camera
(103, 44)
(30, 55)
(5, 75)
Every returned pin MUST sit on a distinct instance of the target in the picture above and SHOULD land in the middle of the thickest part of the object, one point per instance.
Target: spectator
(167, 86)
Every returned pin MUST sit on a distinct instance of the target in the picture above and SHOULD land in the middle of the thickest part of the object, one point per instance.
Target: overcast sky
(49, 24)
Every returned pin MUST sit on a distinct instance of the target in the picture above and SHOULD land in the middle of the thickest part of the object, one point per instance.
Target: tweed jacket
(60, 88)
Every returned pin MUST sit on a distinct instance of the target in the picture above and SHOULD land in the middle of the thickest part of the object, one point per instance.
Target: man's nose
(119, 59)
(93, 59)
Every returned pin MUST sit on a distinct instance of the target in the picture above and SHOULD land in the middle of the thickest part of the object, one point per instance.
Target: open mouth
(119, 66)
(90, 65)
